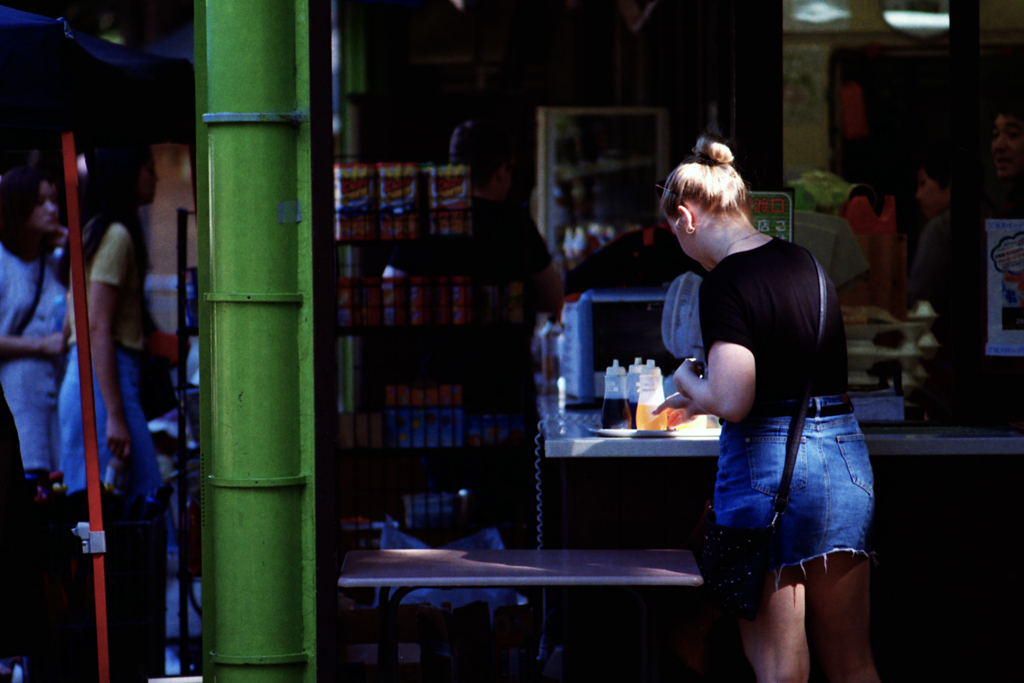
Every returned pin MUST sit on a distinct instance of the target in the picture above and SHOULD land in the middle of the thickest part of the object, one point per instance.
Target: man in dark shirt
(505, 242)
(491, 361)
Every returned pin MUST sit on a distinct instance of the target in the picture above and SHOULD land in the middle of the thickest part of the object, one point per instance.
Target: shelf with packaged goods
(368, 303)
(375, 228)
(466, 330)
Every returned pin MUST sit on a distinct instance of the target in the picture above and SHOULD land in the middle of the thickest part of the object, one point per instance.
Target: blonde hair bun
(710, 178)
(718, 152)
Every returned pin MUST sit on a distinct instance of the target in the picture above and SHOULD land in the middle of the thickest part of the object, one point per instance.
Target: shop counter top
(570, 433)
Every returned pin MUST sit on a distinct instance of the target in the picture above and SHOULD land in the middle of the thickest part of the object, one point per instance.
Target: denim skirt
(831, 503)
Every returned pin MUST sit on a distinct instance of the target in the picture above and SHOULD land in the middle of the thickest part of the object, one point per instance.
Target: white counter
(567, 434)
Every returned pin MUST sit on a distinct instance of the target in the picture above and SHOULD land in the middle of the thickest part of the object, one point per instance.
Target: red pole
(92, 462)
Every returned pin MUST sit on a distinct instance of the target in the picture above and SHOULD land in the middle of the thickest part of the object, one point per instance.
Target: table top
(467, 568)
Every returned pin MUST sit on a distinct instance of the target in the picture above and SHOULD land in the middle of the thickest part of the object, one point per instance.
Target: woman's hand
(686, 375)
(119, 441)
(52, 344)
(680, 409)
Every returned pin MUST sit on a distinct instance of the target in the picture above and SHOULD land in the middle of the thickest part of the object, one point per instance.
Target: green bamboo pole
(259, 559)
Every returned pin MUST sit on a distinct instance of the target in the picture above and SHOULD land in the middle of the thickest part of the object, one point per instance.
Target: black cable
(539, 440)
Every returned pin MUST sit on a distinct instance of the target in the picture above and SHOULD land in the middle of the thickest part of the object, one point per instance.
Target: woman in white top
(32, 334)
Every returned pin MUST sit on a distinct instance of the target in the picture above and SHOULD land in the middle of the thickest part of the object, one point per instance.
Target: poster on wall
(1005, 295)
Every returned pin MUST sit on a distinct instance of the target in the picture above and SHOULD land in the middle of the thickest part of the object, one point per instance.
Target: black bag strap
(25, 319)
(796, 425)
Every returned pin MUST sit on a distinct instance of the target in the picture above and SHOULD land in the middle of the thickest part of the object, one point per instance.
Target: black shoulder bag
(735, 559)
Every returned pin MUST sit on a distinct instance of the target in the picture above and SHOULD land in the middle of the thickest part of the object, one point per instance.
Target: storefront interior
(826, 102)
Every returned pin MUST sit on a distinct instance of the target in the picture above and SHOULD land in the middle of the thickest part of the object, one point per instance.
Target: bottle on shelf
(615, 412)
(652, 394)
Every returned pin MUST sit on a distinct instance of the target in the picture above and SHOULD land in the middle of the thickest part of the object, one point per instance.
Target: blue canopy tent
(60, 89)
(54, 79)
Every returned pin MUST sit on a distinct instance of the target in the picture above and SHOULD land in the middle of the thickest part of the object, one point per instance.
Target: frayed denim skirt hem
(832, 503)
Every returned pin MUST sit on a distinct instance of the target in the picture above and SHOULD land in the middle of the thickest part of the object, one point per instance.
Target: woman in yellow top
(115, 263)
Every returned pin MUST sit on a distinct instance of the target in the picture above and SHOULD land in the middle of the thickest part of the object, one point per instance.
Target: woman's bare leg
(838, 616)
(776, 642)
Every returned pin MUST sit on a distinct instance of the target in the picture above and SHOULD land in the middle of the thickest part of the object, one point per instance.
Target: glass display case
(596, 171)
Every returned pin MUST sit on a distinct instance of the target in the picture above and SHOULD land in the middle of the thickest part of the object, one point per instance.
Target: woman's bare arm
(727, 390)
(102, 307)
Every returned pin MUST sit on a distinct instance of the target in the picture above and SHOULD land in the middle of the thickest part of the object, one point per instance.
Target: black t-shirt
(766, 299)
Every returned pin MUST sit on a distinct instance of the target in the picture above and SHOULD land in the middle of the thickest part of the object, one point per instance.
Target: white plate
(655, 434)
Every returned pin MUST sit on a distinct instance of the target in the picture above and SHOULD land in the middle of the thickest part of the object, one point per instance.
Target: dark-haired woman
(759, 310)
(32, 339)
(121, 181)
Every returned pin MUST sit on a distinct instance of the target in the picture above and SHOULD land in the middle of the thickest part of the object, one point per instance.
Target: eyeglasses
(661, 190)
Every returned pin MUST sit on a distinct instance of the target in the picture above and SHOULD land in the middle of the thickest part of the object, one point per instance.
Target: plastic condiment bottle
(615, 412)
(633, 386)
(549, 336)
(651, 396)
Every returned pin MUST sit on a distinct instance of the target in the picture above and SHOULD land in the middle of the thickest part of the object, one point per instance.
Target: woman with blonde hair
(759, 313)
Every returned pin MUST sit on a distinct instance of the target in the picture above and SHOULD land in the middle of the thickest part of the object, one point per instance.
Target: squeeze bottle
(549, 337)
(633, 386)
(615, 412)
(651, 396)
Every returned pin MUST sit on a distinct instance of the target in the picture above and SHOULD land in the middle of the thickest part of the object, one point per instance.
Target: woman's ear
(687, 221)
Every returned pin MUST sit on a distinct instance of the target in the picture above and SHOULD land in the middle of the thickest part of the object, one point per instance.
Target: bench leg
(387, 629)
(644, 642)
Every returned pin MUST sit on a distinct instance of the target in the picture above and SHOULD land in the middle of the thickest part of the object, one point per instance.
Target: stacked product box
(391, 417)
(360, 301)
(432, 416)
(418, 425)
(448, 198)
(462, 300)
(403, 436)
(393, 301)
(423, 414)
(495, 430)
(419, 301)
(354, 202)
(346, 298)
(398, 189)
(458, 434)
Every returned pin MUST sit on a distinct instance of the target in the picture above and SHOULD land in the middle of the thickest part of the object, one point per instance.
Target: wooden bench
(407, 570)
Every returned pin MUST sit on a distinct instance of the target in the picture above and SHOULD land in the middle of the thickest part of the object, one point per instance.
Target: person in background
(1008, 153)
(116, 262)
(759, 316)
(931, 275)
(495, 369)
(33, 337)
(506, 243)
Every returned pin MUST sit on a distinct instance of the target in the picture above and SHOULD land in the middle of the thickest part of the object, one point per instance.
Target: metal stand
(184, 333)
